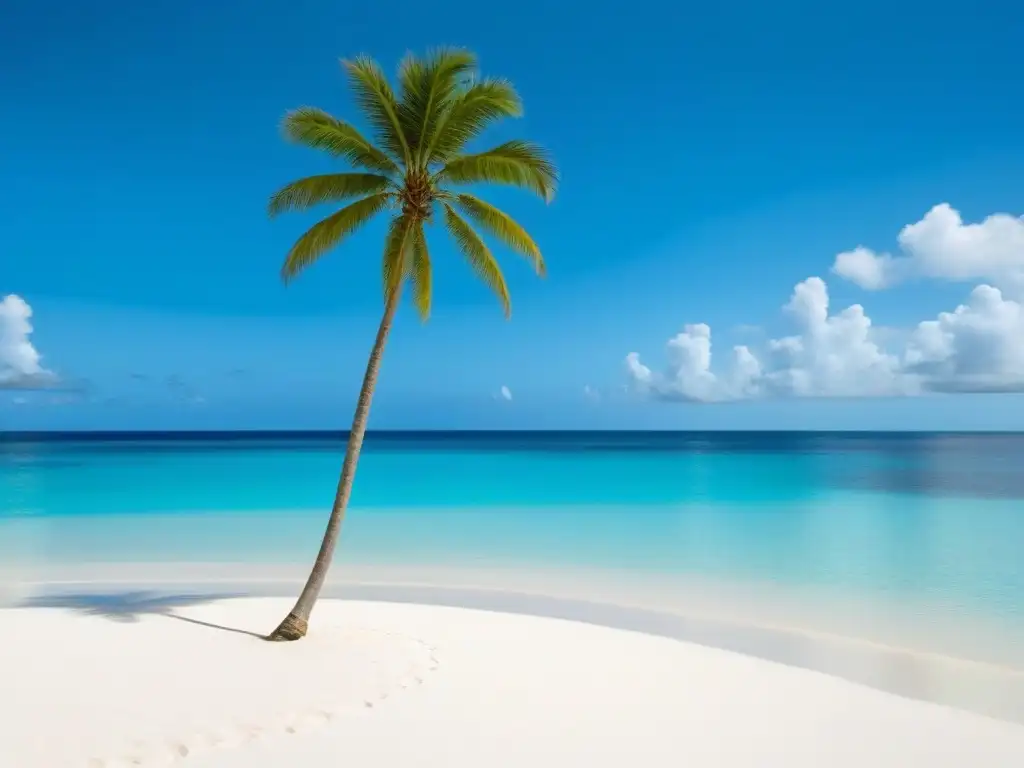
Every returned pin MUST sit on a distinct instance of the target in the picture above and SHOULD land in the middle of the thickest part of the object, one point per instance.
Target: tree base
(292, 628)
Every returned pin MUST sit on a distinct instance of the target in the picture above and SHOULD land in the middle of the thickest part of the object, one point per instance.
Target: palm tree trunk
(296, 622)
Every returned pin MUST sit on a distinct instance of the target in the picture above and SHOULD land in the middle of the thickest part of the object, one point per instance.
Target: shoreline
(899, 621)
(974, 685)
(396, 683)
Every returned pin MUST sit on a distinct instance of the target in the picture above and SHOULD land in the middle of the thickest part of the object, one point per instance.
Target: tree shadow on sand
(129, 607)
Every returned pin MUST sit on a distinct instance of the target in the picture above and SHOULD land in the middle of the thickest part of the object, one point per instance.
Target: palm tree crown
(418, 155)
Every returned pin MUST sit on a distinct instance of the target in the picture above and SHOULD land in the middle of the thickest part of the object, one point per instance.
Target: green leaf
(478, 255)
(503, 227)
(471, 111)
(427, 86)
(516, 163)
(419, 271)
(326, 234)
(315, 128)
(377, 101)
(412, 155)
(396, 249)
(314, 190)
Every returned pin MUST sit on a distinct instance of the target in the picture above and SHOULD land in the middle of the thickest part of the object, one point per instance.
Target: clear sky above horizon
(713, 162)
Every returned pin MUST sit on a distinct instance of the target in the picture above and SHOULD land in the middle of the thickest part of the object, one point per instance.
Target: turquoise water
(935, 517)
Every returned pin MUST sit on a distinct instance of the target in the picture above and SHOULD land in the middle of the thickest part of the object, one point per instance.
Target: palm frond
(316, 129)
(470, 112)
(419, 272)
(426, 87)
(396, 250)
(478, 255)
(331, 187)
(516, 163)
(326, 234)
(503, 227)
(375, 98)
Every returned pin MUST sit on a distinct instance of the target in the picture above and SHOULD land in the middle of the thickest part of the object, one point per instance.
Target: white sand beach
(378, 684)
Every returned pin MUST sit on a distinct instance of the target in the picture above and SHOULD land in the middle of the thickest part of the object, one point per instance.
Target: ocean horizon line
(335, 434)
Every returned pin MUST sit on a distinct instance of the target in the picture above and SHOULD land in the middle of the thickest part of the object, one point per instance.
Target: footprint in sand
(170, 754)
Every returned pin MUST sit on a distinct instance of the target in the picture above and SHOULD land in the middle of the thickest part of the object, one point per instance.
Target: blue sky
(712, 160)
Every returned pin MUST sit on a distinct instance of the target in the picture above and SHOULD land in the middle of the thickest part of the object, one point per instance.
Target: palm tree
(420, 152)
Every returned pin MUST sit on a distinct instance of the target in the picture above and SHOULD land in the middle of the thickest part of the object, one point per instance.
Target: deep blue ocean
(935, 516)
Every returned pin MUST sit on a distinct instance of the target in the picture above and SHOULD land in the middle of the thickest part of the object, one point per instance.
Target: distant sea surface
(933, 519)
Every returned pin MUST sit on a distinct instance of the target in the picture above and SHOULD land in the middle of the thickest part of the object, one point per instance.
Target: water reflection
(963, 482)
(965, 466)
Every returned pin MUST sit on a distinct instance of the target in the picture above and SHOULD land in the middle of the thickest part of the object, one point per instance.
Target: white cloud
(688, 375)
(942, 246)
(505, 393)
(829, 356)
(591, 394)
(979, 347)
(20, 363)
(865, 268)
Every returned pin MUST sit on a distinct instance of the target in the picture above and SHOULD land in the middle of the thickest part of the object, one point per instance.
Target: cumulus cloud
(688, 374)
(942, 246)
(828, 356)
(866, 268)
(979, 347)
(20, 362)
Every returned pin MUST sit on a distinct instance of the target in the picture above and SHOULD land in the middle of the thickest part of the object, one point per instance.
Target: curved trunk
(296, 622)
